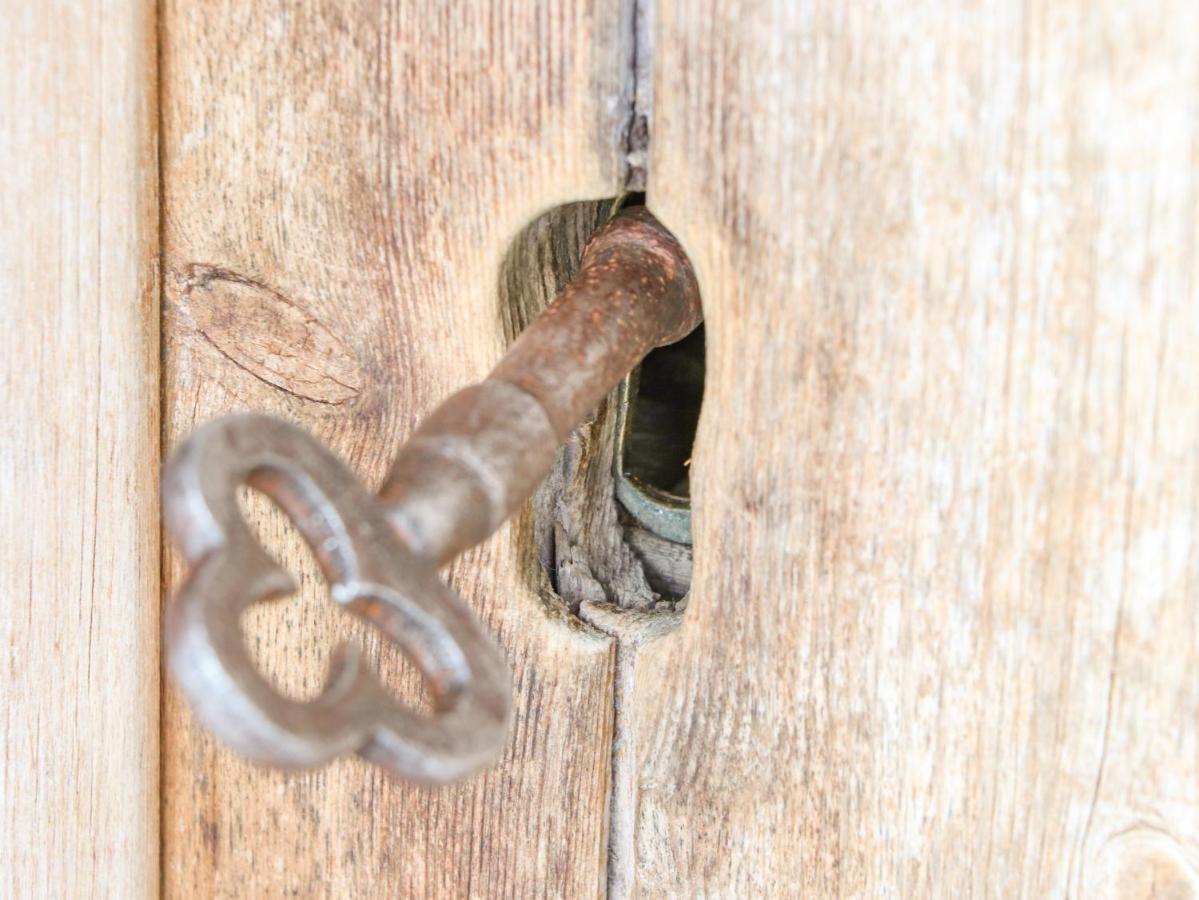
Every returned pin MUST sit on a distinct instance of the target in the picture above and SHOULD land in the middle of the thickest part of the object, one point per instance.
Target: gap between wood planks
(588, 569)
(640, 92)
(630, 629)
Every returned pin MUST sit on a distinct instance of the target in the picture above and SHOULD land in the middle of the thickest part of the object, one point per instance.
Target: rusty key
(468, 466)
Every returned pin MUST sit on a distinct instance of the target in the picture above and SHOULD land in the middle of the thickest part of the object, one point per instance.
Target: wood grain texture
(341, 184)
(79, 559)
(943, 631)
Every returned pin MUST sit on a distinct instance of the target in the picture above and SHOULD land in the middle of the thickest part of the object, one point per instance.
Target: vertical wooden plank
(79, 559)
(341, 183)
(943, 631)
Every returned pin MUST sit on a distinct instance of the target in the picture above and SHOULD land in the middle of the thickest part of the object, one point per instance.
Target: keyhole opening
(662, 414)
(596, 489)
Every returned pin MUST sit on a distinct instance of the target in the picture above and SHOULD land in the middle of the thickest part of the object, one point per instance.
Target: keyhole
(660, 405)
(596, 485)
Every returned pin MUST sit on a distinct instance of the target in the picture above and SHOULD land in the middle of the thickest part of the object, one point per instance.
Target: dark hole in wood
(663, 414)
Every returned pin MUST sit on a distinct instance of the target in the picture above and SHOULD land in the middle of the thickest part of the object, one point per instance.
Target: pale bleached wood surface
(79, 558)
(341, 184)
(944, 626)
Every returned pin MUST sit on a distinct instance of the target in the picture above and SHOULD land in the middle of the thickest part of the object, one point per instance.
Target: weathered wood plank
(341, 184)
(944, 625)
(79, 559)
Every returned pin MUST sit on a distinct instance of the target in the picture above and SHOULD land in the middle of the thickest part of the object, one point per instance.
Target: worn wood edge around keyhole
(577, 545)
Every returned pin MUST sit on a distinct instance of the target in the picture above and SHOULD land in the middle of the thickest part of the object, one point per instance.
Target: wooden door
(943, 627)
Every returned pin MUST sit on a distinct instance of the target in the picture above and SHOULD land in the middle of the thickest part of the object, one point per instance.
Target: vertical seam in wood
(638, 93)
(622, 788)
(159, 18)
(622, 798)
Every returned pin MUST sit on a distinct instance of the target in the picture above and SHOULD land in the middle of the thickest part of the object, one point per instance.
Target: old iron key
(463, 472)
